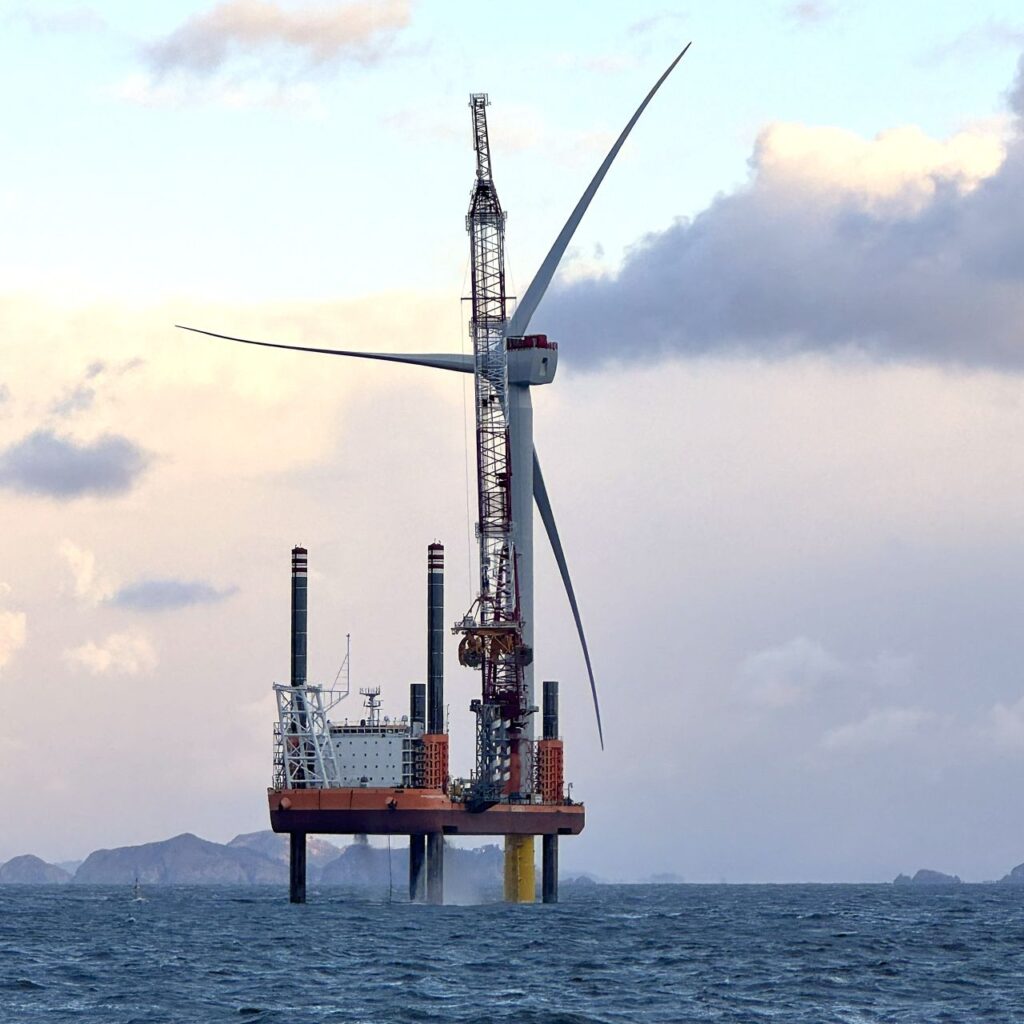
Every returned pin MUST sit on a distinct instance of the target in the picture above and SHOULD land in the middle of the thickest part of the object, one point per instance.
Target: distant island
(259, 858)
(927, 877)
(30, 870)
(254, 858)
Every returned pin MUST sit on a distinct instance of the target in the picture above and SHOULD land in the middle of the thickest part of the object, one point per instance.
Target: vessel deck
(386, 811)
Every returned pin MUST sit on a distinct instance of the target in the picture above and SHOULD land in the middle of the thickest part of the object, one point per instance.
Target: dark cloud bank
(47, 464)
(773, 269)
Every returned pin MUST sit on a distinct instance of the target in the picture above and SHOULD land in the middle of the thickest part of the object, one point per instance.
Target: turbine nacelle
(531, 360)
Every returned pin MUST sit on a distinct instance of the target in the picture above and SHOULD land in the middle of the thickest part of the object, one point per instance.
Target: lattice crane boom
(493, 629)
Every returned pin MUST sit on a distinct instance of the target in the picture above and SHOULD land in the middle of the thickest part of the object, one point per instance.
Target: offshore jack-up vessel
(376, 776)
(383, 777)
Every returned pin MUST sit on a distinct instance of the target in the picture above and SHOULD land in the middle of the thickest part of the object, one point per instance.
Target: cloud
(12, 634)
(127, 654)
(885, 727)
(899, 172)
(83, 394)
(99, 366)
(58, 467)
(791, 673)
(313, 35)
(787, 674)
(1005, 726)
(810, 12)
(993, 34)
(76, 400)
(5, 394)
(87, 583)
(1015, 97)
(74, 19)
(157, 595)
(903, 247)
(655, 22)
(147, 595)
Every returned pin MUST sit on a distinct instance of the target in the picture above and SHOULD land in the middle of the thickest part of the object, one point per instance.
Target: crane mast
(493, 629)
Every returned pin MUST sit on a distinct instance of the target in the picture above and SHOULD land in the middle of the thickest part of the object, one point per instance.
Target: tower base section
(417, 853)
(297, 867)
(520, 877)
(435, 868)
(549, 869)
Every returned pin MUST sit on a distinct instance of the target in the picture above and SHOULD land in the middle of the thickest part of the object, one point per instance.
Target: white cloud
(788, 674)
(316, 34)
(1005, 726)
(77, 19)
(126, 654)
(248, 54)
(884, 727)
(901, 168)
(810, 12)
(12, 634)
(86, 582)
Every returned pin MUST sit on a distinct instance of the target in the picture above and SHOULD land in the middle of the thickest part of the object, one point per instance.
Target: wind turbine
(528, 366)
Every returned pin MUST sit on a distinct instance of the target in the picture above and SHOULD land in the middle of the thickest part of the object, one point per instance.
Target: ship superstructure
(371, 751)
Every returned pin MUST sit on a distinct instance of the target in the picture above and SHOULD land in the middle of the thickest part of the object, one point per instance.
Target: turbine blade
(453, 361)
(540, 495)
(539, 285)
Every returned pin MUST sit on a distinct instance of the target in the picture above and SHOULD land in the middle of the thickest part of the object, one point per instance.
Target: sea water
(671, 953)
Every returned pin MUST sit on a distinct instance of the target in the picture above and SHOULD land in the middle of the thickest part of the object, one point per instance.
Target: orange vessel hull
(388, 811)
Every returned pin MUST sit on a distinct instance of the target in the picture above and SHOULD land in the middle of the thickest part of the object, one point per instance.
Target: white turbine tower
(527, 367)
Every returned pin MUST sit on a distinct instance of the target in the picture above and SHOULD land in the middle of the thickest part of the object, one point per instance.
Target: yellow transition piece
(520, 876)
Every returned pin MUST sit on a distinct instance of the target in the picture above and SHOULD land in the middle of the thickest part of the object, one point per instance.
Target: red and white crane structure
(493, 628)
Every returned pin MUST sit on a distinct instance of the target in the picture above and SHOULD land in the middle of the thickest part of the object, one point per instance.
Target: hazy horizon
(399, 844)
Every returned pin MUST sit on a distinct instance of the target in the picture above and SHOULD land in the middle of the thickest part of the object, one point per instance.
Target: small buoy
(285, 803)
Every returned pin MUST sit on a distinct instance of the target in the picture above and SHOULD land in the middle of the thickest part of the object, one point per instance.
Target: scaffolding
(304, 756)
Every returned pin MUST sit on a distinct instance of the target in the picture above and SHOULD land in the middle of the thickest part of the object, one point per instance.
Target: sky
(784, 446)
